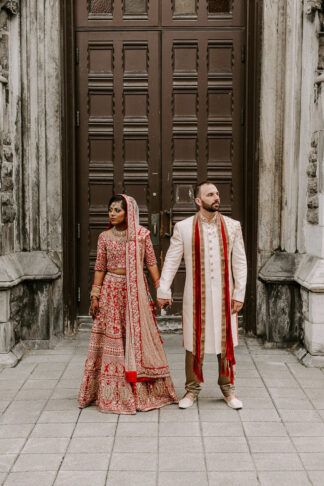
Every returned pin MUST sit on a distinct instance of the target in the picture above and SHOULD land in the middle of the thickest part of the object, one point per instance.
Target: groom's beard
(212, 208)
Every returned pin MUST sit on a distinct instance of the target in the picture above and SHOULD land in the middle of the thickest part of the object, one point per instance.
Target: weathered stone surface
(312, 216)
(310, 273)
(4, 306)
(8, 211)
(312, 202)
(30, 309)
(282, 315)
(7, 338)
(312, 186)
(312, 5)
(312, 169)
(281, 267)
(284, 323)
(18, 267)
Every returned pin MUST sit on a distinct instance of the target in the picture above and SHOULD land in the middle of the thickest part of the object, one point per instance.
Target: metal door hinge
(243, 54)
(79, 294)
(78, 231)
(77, 118)
(77, 55)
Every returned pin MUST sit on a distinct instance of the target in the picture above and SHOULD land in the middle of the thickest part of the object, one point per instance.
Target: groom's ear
(198, 201)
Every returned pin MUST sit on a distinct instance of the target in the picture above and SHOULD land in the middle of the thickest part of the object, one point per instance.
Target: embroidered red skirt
(104, 378)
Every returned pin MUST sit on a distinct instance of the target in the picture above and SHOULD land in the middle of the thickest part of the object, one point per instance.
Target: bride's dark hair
(116, 199)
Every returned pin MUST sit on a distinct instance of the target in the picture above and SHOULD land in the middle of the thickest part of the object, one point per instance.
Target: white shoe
(186, 402)
(234, 403)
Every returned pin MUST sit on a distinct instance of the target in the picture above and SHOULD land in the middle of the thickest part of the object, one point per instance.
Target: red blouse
(111, 252)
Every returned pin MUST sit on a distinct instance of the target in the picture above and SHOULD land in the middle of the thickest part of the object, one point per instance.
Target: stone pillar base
(310, 276)
(308, 359)
(11, 358)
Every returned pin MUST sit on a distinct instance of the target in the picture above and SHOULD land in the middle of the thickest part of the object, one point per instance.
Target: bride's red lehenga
(126, 368)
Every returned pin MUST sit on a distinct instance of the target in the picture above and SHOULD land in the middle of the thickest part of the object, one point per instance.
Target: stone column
(278, 298)
(310, 274)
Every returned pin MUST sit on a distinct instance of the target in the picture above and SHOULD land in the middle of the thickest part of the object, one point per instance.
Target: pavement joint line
(203, 441)
(277, 410)
(42, 410)
(112, 449)
(302, 387)
(67, 448)
(19, 389)
(246, 437)
(157, 477)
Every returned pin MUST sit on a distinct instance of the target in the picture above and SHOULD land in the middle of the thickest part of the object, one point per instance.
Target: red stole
(199, 307)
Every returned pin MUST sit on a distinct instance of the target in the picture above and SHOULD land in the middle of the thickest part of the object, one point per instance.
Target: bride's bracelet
(156, 283)
(95, 291)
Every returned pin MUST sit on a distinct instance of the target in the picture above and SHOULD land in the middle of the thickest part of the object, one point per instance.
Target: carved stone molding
(312, 5)
(11, 6)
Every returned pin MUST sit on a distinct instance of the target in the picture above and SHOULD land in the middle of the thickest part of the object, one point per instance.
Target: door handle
(155, 227)
(169, 214)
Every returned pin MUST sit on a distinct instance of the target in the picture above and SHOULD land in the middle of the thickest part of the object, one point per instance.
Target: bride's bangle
(156, 283)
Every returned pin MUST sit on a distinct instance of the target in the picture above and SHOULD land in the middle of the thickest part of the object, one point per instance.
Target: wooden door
(202, 110)
(151, 71)
(119, 134)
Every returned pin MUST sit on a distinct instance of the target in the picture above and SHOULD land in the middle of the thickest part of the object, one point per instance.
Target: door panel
(201, 131)
(119, 141)
(114, 13)
(203, 13)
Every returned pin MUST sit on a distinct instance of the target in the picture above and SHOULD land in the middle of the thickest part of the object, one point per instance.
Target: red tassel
(131, 376)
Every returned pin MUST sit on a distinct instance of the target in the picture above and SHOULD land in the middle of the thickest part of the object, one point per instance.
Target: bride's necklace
(120, 234)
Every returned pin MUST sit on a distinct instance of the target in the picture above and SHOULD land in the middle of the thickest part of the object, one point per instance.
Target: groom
(213, 250)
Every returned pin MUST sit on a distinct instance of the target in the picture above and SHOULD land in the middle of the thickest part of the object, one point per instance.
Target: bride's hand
(164, 302)
(94, 309)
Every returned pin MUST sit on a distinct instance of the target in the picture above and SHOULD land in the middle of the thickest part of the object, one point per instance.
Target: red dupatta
(145, 358)
(199, 308)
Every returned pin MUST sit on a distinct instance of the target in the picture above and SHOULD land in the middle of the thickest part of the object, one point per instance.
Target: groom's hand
(236, 306)
(164, 302)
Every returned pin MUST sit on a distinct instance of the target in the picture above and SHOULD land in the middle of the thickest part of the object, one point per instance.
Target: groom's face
(208, 198)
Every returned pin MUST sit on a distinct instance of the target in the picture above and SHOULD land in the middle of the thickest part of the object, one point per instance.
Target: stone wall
(291, 215)
(30, 160)
(7, 145)
(312, 183)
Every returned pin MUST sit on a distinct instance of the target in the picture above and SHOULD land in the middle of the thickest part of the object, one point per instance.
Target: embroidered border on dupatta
(199, 304)
(139, 318)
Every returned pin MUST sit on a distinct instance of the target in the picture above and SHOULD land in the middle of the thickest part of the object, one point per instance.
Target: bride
(126, 368)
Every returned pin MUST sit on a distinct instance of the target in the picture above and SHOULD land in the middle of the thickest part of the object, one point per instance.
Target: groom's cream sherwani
(181, 245)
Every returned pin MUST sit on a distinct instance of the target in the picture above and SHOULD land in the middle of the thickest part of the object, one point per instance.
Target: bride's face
(116, 213)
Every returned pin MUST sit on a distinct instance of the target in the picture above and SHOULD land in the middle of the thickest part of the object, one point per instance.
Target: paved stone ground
(277, 439)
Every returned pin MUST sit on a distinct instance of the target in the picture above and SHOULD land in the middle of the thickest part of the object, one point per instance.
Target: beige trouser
(193, 385)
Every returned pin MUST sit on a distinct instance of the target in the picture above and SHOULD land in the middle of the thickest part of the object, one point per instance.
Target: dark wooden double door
(160, 87)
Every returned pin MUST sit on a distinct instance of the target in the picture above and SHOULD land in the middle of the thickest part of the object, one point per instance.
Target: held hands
(162, 303)
(236, 306)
